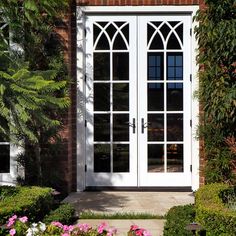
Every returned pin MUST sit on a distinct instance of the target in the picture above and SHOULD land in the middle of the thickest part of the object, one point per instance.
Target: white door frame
(152, 10)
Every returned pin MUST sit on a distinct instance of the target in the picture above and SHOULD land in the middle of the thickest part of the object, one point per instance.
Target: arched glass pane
(125, 31)
(150, 32)
(103, 43)
(111, 30)
(165, 30)
(157, 42)
(119, 43)
(96, 31)
(173, 42)
(179, 31)
(173, 23)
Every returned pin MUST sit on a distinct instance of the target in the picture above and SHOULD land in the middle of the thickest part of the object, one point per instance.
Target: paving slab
(112, 202)
(155, 227)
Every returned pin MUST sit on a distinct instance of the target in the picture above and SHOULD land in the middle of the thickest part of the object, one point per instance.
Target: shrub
(7, 191)
(65, 213)
(177, 218)
(212, 213)
(33, 202)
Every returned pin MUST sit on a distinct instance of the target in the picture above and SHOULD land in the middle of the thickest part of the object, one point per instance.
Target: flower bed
(20, 226)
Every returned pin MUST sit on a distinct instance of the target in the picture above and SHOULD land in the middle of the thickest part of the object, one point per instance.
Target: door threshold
(140, 189)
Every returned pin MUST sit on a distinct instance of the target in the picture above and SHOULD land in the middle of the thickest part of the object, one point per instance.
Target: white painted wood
(81, 56)
(110, 179)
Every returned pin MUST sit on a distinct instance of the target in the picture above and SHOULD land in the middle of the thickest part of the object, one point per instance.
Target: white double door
(138, 100)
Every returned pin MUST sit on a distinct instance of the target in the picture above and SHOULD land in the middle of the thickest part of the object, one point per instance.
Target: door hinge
(191, 77)
(85, 123)
(191, 168)
(85, 78)
(190, 31)
(85, 168)
(85, 32)
(191, 123)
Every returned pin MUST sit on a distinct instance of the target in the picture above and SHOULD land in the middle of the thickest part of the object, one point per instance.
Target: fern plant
(33, 75)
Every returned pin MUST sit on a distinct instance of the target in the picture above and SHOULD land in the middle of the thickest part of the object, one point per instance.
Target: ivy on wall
(216, 35)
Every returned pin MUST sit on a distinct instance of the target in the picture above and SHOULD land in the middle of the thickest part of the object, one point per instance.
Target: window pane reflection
(155, 158)
(121, 97)
(175, 158)
(102, 158)
(120, 127)
(121, 158)
(155, 96)
(174, 127)
(101, 127)
(101, 97)
(174, 96)
(101, 66)
(155, 127)
(121, 66)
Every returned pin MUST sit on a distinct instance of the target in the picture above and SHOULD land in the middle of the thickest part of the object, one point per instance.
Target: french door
(138, 100)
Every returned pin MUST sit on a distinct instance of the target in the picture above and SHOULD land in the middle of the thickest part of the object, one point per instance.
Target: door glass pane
(121, 97)
(101, 97)
(102, 158)
(121, 158)
(174, 96)
(101, 66)
(103, 43)
(155, 158)
(155, 127)
(174, 127)
(101, 127)
(121, 66)
(175, 158)
(155, 66)
(4, 158)
(120, 127)
(155, 96)
(174, 66)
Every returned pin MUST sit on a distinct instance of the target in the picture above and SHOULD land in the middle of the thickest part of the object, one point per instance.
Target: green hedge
(177, 219)
(33, 202)
(65, 213)
(212, 213)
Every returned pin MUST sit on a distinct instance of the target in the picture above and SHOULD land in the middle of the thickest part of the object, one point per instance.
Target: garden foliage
(33, 78)
(216, 36)
(34, 202)
(212, 212)
(65, 213)
(177, 218)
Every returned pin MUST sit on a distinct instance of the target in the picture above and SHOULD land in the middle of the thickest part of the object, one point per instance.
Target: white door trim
(81, 143)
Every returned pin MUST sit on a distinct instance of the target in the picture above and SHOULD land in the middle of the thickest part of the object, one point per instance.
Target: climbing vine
(216, 35)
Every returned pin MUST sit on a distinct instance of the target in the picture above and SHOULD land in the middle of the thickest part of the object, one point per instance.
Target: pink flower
(71, 228)
(11, 221)
(111, 231)
(65, 227)
(134, 227)
(139, 232)
(84, 227)
(101, 227)
(57, 224)
(65, 234)
(12, 232)
(146, 233)
(23, 219)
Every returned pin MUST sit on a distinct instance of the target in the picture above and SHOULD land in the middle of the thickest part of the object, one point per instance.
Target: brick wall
(69, 34)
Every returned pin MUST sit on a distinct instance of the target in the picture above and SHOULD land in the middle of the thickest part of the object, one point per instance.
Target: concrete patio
(112, 202)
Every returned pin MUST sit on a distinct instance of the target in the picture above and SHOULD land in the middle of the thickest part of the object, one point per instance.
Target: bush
(65, 213)
(177, 219)
(212, 213)
(33, 202)
(7, 191)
